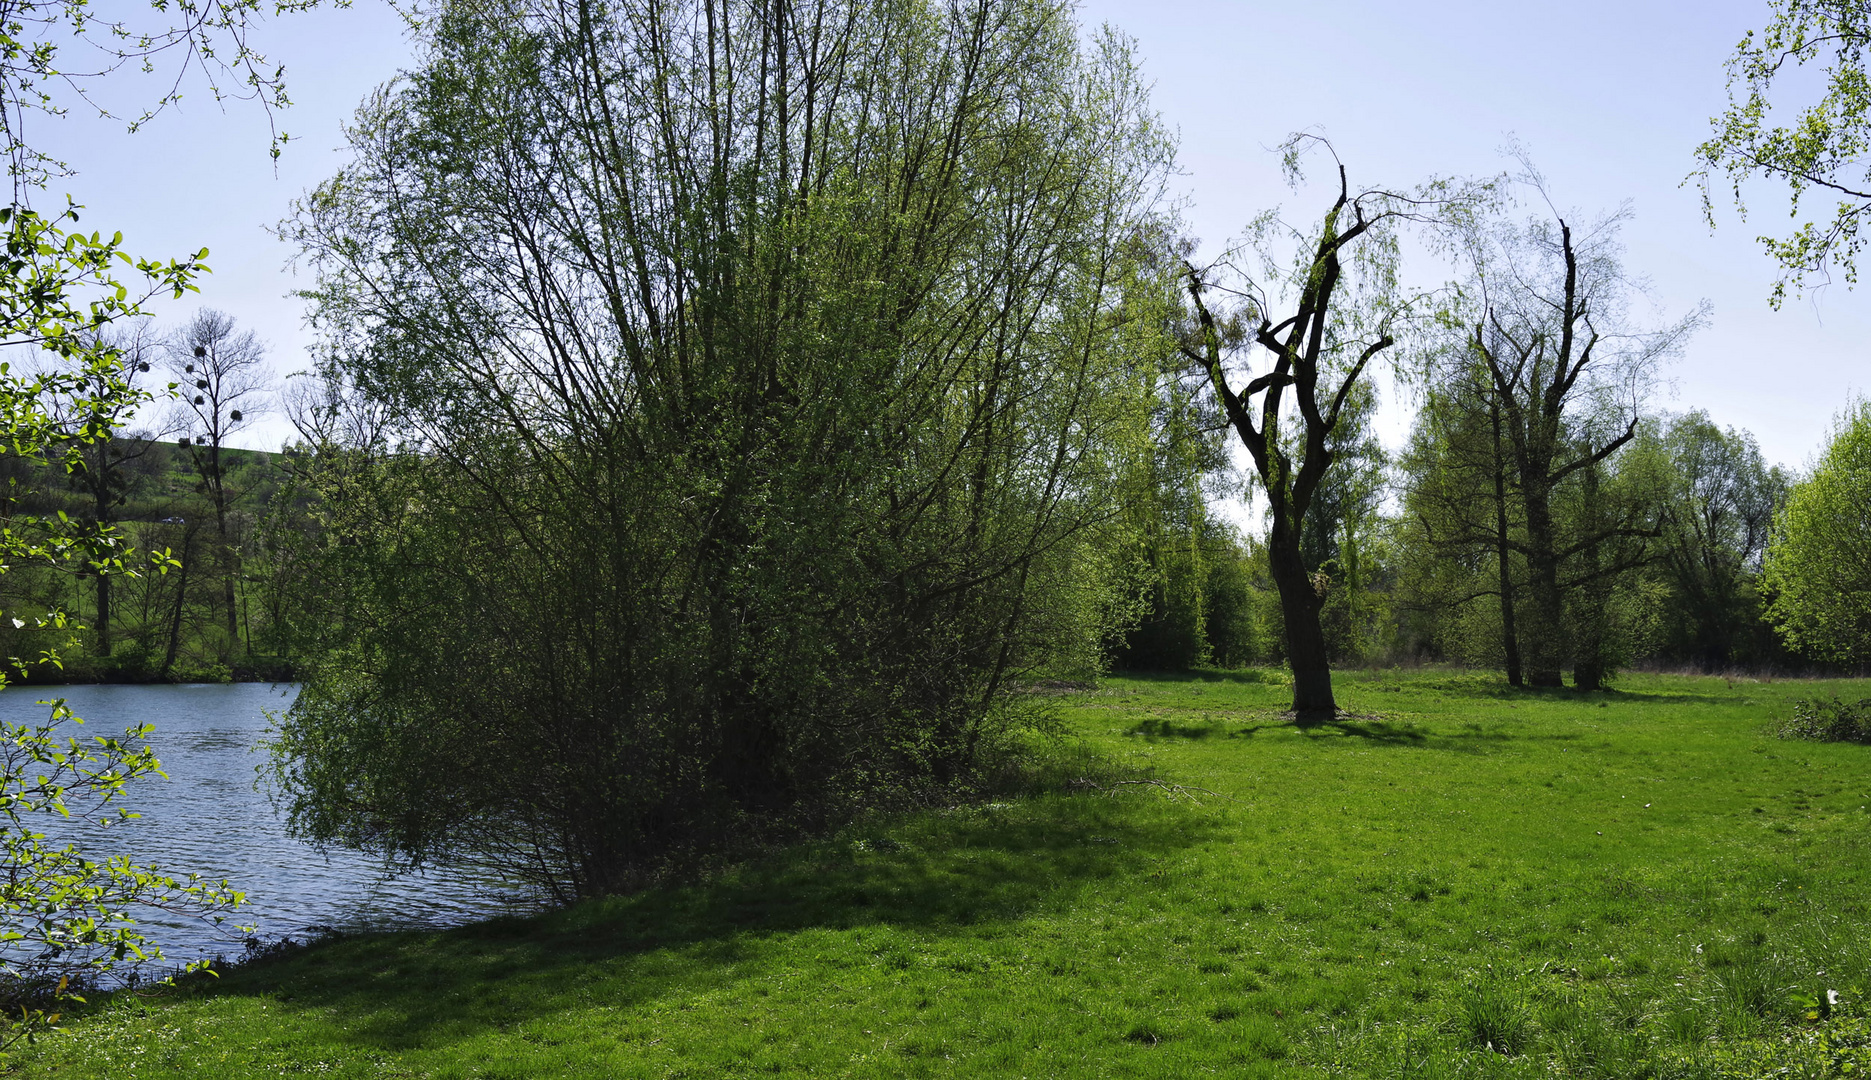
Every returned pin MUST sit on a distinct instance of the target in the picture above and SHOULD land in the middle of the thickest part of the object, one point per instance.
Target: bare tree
(222, 380)
(330, 413)
(95, 420)
(1567, 373)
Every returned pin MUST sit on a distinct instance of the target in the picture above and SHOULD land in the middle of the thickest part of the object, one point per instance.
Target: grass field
(1466, 881)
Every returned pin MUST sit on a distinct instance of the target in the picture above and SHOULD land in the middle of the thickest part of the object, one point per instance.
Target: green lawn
(1636, 883)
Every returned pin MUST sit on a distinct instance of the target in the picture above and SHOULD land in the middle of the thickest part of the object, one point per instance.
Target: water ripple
(209, 817)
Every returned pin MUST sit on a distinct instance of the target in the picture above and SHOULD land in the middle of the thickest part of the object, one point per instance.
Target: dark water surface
(209, 818)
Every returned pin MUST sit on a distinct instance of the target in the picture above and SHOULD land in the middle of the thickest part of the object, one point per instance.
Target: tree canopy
(760, 376)
(1819, 559)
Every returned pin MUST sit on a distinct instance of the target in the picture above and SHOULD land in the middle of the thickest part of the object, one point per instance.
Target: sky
(1610, 100)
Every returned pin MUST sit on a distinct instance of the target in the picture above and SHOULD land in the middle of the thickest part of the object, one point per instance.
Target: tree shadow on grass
(1456, 684)
(1236, 676)
(1495, 687)
(1470, 738)
(1371, 728)
(1154, 729)
(936, 877)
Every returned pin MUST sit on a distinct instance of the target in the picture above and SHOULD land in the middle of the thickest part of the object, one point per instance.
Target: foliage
(736, 460)
(1831, 720)
(65, 919)
(1224, 613)
(1356, 894)
(1820, 152)
(1457, 531)
(1718, 499)
(1165, 495)
(148, 492)
(1818, 566)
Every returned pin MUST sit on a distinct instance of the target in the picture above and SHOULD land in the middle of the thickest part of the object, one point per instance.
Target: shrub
(718, 540)
(1836, 720)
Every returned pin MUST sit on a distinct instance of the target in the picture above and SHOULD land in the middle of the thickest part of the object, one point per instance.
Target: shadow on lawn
(1467, 739)
(1472, 685)
(1373, 729)
(1151, 730)
(1236, 676)
(945, 874)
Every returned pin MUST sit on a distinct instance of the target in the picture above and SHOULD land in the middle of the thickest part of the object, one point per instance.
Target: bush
(668, 559)
(1829, 721)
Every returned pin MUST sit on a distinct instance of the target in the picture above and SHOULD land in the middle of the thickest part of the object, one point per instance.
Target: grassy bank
(1467, 881)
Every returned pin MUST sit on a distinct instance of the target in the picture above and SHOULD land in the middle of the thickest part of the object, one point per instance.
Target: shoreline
(280, 673)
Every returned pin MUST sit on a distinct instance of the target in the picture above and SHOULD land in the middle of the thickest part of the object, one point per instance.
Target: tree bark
(1510, 634)
(181, 598)
(1305, 638)
(1545, 656)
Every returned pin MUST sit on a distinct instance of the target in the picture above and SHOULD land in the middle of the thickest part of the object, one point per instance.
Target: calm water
(209, 818)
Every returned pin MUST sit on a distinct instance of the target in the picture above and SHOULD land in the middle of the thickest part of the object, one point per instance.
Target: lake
(208, 817)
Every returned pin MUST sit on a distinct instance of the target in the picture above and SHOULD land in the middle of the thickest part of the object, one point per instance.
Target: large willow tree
(759, 375)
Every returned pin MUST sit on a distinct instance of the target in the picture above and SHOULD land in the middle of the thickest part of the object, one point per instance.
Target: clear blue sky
(1610, 98)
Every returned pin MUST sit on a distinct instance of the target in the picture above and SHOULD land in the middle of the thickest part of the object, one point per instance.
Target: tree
(1818, 570)
(59, 293)
(1613, 508)
(1459, 513)
(1718, 510)
(1165, 499)
(1566, 374)
(221, 371)
(1319, 351)
(1820, 152)
(106, 467)
(759, 377)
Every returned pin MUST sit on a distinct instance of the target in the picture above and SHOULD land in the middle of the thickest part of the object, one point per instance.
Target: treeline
(1544, 517)
(1677, 521)
(1405, 550)
(150, 474)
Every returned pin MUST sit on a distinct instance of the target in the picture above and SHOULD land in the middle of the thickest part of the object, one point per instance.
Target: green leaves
(208, 36)
(763, 436)
(1820, 151)
(1818, 571)
(64, 916)
(66, 920)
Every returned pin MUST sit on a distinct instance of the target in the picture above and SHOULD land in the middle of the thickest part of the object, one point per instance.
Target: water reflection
(208, 817)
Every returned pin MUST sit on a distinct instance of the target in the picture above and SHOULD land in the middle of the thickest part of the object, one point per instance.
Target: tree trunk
(230, 559)
(103, 614)
(181, 598)
(1510, 635)
(1593, 622)
(1305, 638)
(1545, 653)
